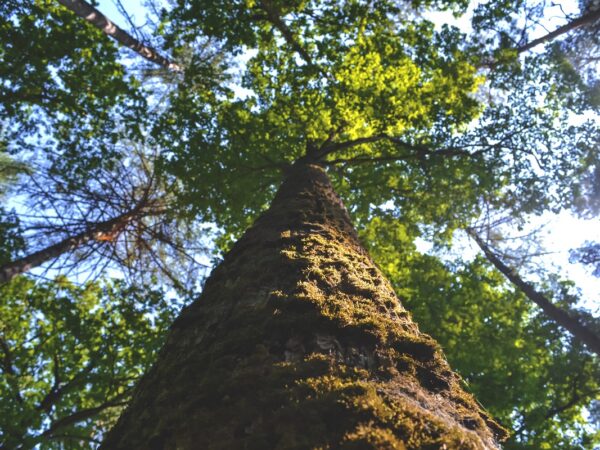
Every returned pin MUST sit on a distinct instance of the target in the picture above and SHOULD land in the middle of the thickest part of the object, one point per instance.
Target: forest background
(125, 178)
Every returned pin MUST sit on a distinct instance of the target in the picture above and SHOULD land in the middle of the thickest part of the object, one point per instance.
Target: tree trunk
(101, 231)
(585, 19)
(560, 316)
(298, 341)
(99, 20)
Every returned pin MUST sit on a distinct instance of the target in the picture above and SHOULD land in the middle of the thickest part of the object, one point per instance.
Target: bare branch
(100, 21)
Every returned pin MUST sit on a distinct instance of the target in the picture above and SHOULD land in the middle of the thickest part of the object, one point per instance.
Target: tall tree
(389, 104)
(298, 341)
(385, 102)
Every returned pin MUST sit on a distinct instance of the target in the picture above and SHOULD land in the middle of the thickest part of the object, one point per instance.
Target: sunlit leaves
(310, 75)
(318, 73)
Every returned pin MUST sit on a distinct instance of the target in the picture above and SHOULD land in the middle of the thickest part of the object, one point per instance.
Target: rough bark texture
(298, 342)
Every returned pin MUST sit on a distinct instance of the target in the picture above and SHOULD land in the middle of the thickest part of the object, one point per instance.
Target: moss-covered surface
(299, 342)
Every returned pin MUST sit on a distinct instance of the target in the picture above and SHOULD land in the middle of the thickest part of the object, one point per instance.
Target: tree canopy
(425, 129)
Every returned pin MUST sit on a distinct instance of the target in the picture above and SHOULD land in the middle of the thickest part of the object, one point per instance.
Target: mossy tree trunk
(298, 341)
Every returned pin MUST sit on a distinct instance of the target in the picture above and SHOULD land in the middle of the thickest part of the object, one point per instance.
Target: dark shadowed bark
(298, 341)
(99, 20)
(560, 316)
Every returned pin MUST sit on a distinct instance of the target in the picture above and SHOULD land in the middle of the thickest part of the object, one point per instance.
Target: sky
(562, 231)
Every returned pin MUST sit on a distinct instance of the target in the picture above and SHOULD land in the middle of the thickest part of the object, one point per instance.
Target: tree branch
(100, 21)
(57, 391)
(84, 414)
(576, 23)
(420, 150)
(573, 402)
(579, 330)
(274, 18)
(99, 231)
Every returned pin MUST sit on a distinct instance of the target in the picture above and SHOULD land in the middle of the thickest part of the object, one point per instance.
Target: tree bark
(572, 25)
(298, 341)
(99, 20)
(561, 317)
(98, 231)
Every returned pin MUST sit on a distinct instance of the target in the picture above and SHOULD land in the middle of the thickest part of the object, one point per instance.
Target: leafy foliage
(11, 236)
(61, 87)
(70, 356)
(317, 92)
(420, 127)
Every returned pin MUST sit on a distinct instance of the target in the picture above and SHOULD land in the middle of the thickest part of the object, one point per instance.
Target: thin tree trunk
(98, 231)
(298, 341)
(561, 317)
(576, 23)
(99, 20)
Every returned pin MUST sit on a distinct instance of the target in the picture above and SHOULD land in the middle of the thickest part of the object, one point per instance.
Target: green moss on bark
(299, 342)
